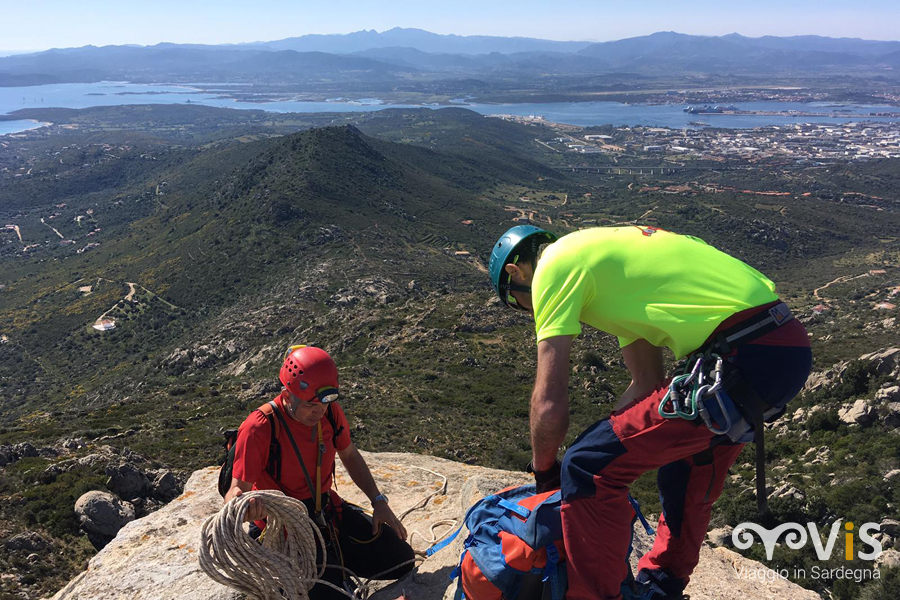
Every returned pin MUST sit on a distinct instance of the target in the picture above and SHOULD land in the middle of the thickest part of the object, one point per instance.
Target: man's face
(521, 274)
(308, 413)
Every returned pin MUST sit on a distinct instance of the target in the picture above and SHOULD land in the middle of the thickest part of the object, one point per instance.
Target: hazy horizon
(12, 52)
(103, 22)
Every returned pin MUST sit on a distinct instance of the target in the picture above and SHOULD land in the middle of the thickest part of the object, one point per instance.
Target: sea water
(106, 93)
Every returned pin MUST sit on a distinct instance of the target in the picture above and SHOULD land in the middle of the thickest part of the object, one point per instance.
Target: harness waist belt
(750, 329)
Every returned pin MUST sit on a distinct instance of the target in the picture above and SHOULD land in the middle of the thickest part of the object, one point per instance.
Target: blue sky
(63, 23)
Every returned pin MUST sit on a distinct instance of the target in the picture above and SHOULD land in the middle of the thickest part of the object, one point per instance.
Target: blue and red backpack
(515, 539)
(515, 547)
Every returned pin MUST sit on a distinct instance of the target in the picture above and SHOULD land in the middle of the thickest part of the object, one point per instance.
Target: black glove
(547, 480)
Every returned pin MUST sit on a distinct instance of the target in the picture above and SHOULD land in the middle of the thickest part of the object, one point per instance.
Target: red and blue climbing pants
(692, 466)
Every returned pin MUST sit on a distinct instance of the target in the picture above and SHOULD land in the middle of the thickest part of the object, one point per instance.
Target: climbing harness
(688, 395)
(726, 403)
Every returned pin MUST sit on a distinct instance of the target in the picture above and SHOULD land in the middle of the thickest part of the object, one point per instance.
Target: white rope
(421, 503)
(282, 566)
(433, 537)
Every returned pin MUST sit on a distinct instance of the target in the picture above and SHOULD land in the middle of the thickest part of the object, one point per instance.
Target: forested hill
(213, 239)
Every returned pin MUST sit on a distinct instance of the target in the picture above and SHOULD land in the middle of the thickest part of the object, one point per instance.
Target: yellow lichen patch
(412, 483)
(439, 500)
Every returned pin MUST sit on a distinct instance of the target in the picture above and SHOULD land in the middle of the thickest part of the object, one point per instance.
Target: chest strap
(309, 483)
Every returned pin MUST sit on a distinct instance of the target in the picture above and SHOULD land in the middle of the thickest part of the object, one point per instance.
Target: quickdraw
(688, 393)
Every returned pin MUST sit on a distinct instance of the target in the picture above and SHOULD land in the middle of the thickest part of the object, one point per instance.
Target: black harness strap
(754, 409)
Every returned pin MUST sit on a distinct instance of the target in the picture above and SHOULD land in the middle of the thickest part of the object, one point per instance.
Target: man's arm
(645, 363)
(361, 475)
(550, 400)
(256, 511)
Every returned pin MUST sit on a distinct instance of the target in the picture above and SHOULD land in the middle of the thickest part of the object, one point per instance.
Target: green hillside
(215, 251)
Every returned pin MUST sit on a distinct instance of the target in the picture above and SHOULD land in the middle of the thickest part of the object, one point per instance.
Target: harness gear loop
(686, 391)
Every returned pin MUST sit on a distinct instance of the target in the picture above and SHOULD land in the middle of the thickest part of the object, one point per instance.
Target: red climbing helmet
(310, 374)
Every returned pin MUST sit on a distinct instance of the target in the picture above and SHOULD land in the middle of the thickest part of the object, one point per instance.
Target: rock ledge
(155, 558)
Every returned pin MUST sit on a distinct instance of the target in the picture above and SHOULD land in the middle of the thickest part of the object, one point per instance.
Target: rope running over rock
(433, 537)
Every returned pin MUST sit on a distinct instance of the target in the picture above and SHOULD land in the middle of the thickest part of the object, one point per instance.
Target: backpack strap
(273, 462)
(335, 430)
(551, 573)
(640, 515)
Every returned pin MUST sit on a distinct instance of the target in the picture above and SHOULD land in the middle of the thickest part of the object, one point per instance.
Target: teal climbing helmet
(502, 254)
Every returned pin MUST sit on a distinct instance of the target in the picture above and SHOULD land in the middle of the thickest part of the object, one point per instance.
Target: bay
(19, 126)
(83, 95)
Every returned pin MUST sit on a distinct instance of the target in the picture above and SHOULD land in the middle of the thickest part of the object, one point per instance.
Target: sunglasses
(324, 395)
(512, 303)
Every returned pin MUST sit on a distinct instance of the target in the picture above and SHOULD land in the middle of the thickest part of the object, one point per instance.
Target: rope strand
(282, 566)
(279, 567)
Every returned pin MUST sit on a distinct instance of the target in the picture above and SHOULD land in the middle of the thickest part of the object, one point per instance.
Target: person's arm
(256, 510)
(550, 401)
(361, 475)
(645, 363)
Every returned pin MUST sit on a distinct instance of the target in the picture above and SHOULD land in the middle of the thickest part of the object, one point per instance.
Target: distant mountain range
(394, 55)
(420, 40)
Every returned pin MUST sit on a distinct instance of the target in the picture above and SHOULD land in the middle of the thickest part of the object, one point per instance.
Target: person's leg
(384, 554)
(320, 591)
(596, 473)
(688, 489)
(332, 574)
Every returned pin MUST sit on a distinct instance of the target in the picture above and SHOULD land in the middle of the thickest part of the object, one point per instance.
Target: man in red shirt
(312, 430)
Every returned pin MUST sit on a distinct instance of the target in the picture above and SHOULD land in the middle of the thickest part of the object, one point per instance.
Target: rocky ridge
(156, 557)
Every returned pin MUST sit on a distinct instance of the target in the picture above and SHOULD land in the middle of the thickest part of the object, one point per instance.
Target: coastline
(32, 124)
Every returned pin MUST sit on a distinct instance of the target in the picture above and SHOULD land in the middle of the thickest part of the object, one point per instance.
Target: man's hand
(544, 481)
(382, 513)
(256, 510)
(361, 475)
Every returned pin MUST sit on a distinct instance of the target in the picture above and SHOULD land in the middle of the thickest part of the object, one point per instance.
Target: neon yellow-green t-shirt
(642, 283)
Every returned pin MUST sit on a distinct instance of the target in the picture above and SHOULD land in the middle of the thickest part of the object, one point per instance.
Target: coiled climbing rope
(282, 566)
(278, 567)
